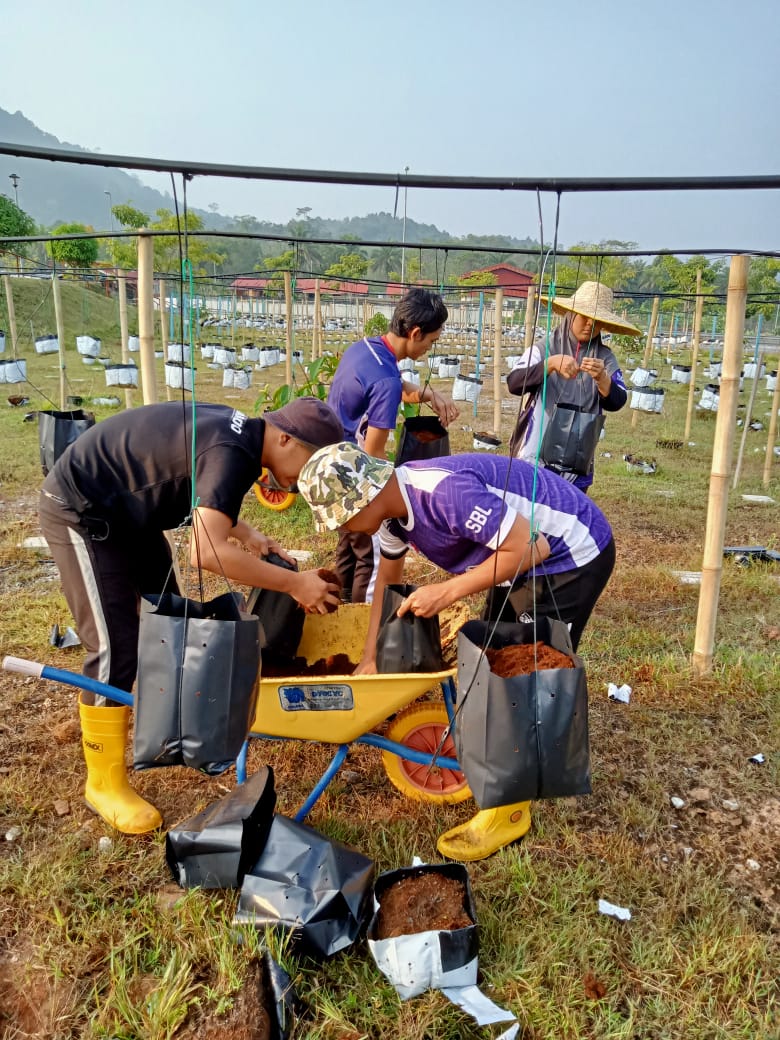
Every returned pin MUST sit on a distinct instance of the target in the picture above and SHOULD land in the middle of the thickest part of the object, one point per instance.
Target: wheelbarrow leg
(335, 764)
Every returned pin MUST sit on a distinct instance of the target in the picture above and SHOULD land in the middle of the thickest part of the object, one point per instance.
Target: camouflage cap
(339, 481)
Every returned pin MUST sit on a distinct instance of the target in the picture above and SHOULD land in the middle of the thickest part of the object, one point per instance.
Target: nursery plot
(92, 934)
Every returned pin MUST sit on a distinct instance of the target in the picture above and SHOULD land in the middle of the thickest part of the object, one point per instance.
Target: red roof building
(513, 280)
(257, 286)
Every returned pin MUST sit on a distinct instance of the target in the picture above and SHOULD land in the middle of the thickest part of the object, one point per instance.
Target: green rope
(550, 298)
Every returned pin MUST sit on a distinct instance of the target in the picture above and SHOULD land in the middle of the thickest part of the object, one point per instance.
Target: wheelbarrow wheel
(273, 498)
(421, 727)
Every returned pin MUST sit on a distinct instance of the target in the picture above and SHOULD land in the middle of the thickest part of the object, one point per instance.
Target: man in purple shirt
(366, 392)
(496, 525)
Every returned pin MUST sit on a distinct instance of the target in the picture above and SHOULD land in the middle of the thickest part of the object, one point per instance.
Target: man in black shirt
(104, 510)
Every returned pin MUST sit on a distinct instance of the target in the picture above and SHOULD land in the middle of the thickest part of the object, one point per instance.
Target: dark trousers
(569, 597)
(354, 565)
(104, 573)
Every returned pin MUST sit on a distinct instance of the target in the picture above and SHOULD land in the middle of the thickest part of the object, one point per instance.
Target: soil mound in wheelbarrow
(427, 902)
(522, 659)
(334, 664)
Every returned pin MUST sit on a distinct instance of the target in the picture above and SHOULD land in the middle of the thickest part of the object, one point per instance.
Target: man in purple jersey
(494, 524)
(366, 392)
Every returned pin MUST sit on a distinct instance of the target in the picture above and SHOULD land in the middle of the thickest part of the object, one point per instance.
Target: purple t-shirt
(366, 389)
(461, 508)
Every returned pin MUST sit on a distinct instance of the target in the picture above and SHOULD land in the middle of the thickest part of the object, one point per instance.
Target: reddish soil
(422, 903)
(427, 436)
(525, 658)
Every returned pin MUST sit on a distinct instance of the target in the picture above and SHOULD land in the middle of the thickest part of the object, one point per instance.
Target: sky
(447, 87)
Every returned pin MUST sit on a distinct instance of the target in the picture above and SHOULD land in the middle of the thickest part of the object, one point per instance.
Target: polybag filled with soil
(423, 934)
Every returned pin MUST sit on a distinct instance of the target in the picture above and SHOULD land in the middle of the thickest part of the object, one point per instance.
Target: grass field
(97, 941)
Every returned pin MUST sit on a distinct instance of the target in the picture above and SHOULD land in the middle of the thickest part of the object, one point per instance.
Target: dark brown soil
(335, 664)
(526, 658)
(422, 903)
(248, 1019)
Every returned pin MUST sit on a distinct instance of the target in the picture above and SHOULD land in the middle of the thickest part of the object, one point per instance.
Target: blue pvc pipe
(83, 682)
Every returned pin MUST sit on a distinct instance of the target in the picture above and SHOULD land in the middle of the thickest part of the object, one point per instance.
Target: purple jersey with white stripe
(366, 388)
(461, 508)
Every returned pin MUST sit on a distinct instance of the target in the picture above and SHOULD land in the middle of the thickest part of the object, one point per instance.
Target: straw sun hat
(594, 300)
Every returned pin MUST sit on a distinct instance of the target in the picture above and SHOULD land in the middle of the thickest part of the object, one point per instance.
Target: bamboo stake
(747, 421)
(530, 308)
(497, 364)
(694, 356)
(712, 564)
(146, 317)
(288, 328)
(770, 442)
(648, 348)
(123, 328)
(55, 285)
(9, 299)
(316, 343)
(164, 333)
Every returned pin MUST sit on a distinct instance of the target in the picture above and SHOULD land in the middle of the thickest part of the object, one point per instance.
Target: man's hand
(367, 666)
(314, 594)
(262, 545)
(428, 600)
(443, 406)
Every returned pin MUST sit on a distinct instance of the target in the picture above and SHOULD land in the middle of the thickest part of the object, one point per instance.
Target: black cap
(309, 420)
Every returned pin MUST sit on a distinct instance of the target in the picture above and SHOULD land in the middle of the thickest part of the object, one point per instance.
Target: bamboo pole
(164, 333)
(712, 564)
(288, 341)
(316, 343)
(648, 347)
(694, 356)
(9, 299)
(497, 364)
(770, 442)
(747, 421)
(121, 280)
(530, 308)
(55, 285)
(146, 316)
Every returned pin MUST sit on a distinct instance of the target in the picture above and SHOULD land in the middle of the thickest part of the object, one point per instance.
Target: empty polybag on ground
(215, 848)
(316, 889)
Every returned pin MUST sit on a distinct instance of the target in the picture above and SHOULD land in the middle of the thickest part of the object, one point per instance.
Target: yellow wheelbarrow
(345, 709)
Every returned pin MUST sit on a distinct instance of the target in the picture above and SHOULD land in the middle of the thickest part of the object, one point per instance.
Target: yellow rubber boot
(108, 793)
(486, 833)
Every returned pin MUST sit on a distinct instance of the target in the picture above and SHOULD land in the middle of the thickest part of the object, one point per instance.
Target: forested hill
(54, 193)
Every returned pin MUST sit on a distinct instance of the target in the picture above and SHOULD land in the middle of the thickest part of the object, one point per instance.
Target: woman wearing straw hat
(571, 386)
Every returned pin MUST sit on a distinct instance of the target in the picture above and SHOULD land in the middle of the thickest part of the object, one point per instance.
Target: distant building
(513, 280)
(251, 288)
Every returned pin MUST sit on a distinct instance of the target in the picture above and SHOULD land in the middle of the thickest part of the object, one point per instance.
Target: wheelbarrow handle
(82, 682)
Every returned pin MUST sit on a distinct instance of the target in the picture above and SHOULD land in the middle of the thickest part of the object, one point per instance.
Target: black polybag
(216, 847)
(571, 437)
(58, 430)
(523, 737)
(282, 618)
(422, 437)
(409, 643)
(198, 670)
(309, 886)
